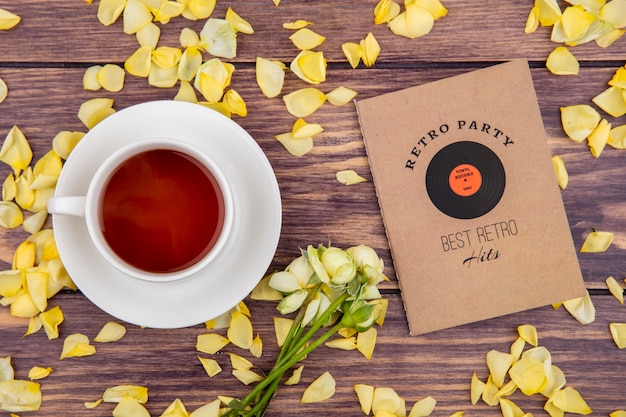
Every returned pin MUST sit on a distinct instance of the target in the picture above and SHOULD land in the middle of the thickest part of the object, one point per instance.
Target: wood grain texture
(43, 60)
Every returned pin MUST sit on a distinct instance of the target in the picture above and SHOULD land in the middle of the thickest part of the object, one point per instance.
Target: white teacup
(158, 210)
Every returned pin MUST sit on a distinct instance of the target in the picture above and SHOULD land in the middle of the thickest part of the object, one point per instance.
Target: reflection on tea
(162, 211)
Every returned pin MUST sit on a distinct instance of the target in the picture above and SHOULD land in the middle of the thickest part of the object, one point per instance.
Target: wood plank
(471, 32)
(316, 207)
(439, 364)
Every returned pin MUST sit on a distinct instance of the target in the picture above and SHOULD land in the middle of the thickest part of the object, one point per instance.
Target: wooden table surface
(43, 59)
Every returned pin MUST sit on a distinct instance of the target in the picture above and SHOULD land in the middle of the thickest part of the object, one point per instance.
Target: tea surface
(162, 211)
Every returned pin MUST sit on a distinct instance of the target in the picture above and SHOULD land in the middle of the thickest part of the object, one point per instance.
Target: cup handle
(72, 206)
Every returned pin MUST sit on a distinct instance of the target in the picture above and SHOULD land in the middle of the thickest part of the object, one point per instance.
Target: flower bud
(302, 269)
(364, 255)
(292, 302)
(339, 264)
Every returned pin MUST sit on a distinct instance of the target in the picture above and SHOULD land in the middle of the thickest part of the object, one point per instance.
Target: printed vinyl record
(465, 180)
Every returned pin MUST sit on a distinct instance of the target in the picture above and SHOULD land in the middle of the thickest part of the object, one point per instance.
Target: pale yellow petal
(77, 345)
(92, 112)
(477, 387)
(618, 413)
(301, 129)
(38, 372)
(490, 393)
(263, 291)
(9, 189)
(219, 38)
(529, 375)
(304, 102)
(281, 328)
(297, 24)
(353, 53)
(611, 101)
(4, 90)
(8, 19)
(162, 77)
(128, 406)
(617, 137)
(189, 64)
(110, 10)
(235, 103)
(139, 63)
(423, 407)
(412, 23)
(198, 9)
(211, 409)
(532, 21)
(385, 10)
(111, 77)
(218, 107)
(10, 282)
(549, 12)
(560, 171)
(562, 62)
(296, 147)
(24, 194)
(349, 177)
(579, 121)
(366, 341)
(166, 57)
(597, 242)
(20, 396)
(239, 362)
(168, 10)
(136, 16)
(609, 37)
(576, 21)
(36, 284)
(434, 7)
(340, 96)
(10, 215)
(510, 409)
(188, 38)
(240, 330)
(246, 376)
(582, 309)
(51, 320)
(305, 39)
(25, 255)
(240, 24)
(499, 364)
(321, 389)
(618, 333)
(7, 372)
(343, 343)
(616, 289)
(386, 399)
(16, 151)
(186, 93)
(117, 393)
(211, 366)
(528, 332)
(371, 49)
(211, 343)
(295, 376)
(614, 12)
(270, 76)
(90, 78)
(309, 66)
(365, 394)
(175, 409)
(34, 325)
(570, 401)
(556, 381)
(256, 349)
(149, 35)
(111, 332)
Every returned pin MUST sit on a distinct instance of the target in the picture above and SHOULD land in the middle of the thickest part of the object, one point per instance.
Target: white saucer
(241, 263)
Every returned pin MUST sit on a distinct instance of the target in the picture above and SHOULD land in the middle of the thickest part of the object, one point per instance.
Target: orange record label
(465, 180)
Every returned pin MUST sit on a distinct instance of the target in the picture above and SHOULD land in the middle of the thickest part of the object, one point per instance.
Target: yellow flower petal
(219, 38)
(10, 282)
(235, 103)
(576, 21)
(598, 139)
(343, 343)
(618, 333)
(257, 347)
(24, 194)
(4, 90)
(198, 9)
(76, 345)
(270, 76)
(276, 2)
(562, 176)
(365, 394)
(190, 62)
(10, 215)
(321, 389)
(211, 366)
(349, 177)
(309, 66)
(139, 63)
(37, 372)
(532, 21)
(16, 151)
(25, 255)
(51, 320)
(129, 406)
(562, 62)
(423, 407)
(597, 242)
(162, 77)
(296, 147)
(246, 376)
(529, 374)
(499, 364)
(111, 77)
(92, 112)
(549, 12)
(304, 102)
(20, 396)
(34, 325)
(387, 400)
(556, 381)
(186, 93)
(371, 49)
(240, 24)
(136, 15)
(117, 393)
(36, 284)
(111, 332)
(298, 24)
(340, 96)
(8, 20)
(211, 343)
(510, 409)
(239, 362)
(579, 121)
(617, 137)
(477, 387)
(616, 289)
(110, 10)
(167, 11)
(353, 53)
(609, 37)
(302, 129)
(149, 35)
(434, 7)
(306, 39)
(614, 12)
(240, 330)
(175, 409)
(618, 413)
(366, 341)
(6, 369)
(166, 57)
(281, 329)
(412, 23)
(9, 189)
(611, 101)
(385, 10)
(218, 107)
(491, 393)
(212, 78)
(295, 376)
(528, 333)
(263, 291)
(570, 401)
(582, 309)
(90, 78)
